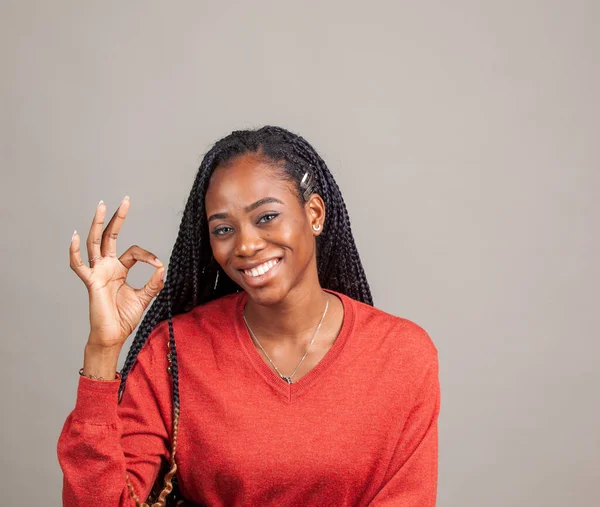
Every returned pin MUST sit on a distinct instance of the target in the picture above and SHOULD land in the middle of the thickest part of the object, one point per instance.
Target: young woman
(261, 374)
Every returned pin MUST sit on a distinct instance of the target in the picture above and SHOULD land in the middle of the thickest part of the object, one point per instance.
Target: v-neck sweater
(360, 428)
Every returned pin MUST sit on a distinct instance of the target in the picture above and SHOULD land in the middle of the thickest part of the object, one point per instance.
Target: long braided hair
(193, 274)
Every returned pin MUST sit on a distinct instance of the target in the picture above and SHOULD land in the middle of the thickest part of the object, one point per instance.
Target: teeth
(262, 269)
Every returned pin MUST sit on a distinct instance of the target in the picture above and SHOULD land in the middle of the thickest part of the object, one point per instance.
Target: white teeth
(262, 269)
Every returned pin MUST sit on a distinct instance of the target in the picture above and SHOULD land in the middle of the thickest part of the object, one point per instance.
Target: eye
(268, 215)
(222, 231)
(219, 231)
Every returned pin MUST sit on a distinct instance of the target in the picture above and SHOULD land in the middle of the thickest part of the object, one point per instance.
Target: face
(260, 235)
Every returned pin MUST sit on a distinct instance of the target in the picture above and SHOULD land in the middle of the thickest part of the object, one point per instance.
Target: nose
(248, 241)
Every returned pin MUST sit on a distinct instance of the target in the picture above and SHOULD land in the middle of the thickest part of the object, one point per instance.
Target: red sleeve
(413, 474)
(101, 440)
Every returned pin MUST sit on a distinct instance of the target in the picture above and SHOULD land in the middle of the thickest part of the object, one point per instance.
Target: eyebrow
(249, 208)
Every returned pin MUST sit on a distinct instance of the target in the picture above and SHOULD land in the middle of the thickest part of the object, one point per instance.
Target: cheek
(218, 251)
(293, 231)
(298, 237)
(293, 239)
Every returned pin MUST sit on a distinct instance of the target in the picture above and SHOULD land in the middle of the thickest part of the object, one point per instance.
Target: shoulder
(395, 334)
(399, 351)
(221, 310)
(215, 315)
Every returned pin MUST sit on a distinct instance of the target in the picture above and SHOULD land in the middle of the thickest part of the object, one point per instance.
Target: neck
(291, 320)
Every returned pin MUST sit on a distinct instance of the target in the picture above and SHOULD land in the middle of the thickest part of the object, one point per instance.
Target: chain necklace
(287, 379)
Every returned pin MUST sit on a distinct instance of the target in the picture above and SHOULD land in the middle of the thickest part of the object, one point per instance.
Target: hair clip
(307, 184)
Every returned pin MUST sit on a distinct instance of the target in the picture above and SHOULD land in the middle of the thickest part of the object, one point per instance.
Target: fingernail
(73, 237)
(101, 202)
(157, 260)
(126, 197)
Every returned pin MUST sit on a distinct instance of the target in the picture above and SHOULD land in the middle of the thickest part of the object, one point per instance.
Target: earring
(216, 280)
(317, 227)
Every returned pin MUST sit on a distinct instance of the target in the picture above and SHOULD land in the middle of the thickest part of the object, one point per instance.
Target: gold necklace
(287, 379)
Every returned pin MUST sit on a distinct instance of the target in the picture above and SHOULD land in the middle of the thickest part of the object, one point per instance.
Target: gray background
(463, 136)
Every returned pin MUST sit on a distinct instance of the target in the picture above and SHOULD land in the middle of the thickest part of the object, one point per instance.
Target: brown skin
(116, 308)
(285, 312)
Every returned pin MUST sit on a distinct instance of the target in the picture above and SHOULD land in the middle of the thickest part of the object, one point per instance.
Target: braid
(194, 277)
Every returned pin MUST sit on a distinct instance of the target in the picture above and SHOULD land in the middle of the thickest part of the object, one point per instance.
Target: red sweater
(359, 429)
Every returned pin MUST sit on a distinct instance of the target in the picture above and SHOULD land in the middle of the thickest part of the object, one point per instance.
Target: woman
(261, 374)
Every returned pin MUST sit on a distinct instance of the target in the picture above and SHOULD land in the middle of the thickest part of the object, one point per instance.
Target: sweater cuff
(97, 400)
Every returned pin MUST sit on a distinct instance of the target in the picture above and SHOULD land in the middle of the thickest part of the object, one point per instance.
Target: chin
(266, 296)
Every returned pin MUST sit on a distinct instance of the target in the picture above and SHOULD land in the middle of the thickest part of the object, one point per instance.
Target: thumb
(153, 287)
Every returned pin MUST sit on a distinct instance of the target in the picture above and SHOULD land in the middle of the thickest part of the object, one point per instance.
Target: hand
(116, 308)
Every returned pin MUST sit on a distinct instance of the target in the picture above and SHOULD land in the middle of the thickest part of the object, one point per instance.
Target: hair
(193, 274)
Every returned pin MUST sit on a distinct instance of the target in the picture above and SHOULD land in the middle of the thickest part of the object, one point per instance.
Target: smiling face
(260, 234)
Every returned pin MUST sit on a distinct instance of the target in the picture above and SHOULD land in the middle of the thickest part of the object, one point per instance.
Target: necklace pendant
(287, 379)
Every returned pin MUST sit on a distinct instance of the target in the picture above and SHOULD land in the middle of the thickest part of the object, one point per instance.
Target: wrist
(100, 362)
(102, 350)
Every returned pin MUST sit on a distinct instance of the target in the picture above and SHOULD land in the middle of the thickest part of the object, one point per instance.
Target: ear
(315, 213)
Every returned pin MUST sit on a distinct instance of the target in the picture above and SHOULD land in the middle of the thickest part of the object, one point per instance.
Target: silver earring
(216, 280)
(317, 227)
